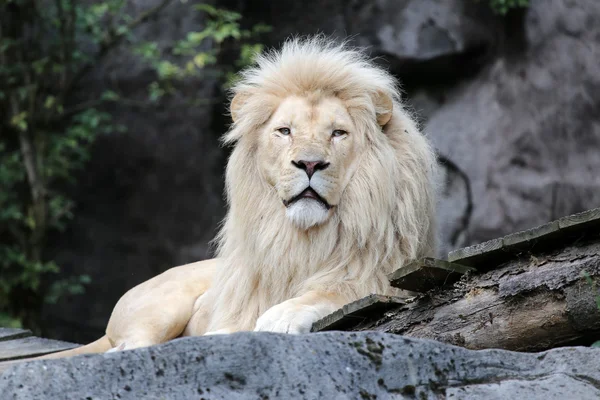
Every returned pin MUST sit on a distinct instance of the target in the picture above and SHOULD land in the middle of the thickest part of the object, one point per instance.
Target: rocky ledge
(333, 365)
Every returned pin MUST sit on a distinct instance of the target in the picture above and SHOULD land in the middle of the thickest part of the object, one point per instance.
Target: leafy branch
(111, 39)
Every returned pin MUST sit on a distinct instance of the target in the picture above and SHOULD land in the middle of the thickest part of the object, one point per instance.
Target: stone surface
(315, 366)
(422, 30)
(526, 129)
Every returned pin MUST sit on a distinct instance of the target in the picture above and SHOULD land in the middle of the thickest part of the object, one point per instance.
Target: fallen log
(532, 303)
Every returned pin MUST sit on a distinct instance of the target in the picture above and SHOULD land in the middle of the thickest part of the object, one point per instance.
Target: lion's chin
(307, 212)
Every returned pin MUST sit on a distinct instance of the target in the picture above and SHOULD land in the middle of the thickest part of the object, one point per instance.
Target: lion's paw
(287, 318)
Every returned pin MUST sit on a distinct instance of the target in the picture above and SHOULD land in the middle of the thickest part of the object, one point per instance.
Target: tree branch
(36, 183)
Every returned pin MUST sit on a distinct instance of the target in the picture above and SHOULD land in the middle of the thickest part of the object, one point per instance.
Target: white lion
(330, 188)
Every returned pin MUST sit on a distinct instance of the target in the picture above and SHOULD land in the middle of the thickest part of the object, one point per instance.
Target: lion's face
(308, 151)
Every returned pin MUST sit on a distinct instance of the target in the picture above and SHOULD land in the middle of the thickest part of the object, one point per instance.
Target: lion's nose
(310, 166)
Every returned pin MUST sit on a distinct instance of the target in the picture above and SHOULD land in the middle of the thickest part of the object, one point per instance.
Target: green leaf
(110, 95)
(202, 59)
(122, 30)
(50, 101)
(7, 321)
(207, 8)
(147, 50)
(155, 91)
(19, 121)
(99, 10)
(39, 66)
(167, 70)
(261, 28)
(502, 7)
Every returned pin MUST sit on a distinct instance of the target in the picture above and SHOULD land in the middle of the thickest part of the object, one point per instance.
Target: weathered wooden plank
(527, 304)
(13, 333)
(488, 255)
(476, 254)
(369, 307)
(427, 273)
(31, 347)
(529, 238)
(586, 220)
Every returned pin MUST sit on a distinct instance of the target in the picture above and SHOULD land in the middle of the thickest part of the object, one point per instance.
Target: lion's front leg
(297, 315)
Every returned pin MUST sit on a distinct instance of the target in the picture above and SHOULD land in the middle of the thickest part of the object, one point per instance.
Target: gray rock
(422, 30)
(526, 129)
(409, 30)
(410, 34)
(332, 365)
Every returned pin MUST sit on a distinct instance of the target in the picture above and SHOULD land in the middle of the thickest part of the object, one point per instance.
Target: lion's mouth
(308, 193)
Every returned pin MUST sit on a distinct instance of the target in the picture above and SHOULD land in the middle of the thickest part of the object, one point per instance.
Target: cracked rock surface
(334, 365)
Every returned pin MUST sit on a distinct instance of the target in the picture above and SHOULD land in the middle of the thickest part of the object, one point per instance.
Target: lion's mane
(384, 219)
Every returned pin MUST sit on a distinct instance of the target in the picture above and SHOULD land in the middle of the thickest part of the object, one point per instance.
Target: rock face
(526, 129)
(510, 103)
(315, 366)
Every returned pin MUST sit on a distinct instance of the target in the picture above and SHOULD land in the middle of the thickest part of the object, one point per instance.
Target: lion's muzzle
(308, 193)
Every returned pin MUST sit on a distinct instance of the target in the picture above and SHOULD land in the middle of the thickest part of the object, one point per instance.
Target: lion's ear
(237, 103)
(384, 107)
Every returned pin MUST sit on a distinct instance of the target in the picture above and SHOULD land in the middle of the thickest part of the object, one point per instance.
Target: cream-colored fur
(314, 108)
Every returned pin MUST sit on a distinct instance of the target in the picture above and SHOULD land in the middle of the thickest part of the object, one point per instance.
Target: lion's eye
(338, 133)
(284, 131)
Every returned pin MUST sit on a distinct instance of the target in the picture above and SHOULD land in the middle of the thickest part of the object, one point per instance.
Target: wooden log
(530, 304)
(426, 274)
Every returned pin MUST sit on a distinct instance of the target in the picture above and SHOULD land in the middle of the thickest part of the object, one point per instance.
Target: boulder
(526, 129)
(333, 365)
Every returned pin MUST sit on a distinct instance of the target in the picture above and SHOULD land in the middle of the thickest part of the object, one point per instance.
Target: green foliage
(48, 127)
(502, 7)
(190, 56)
